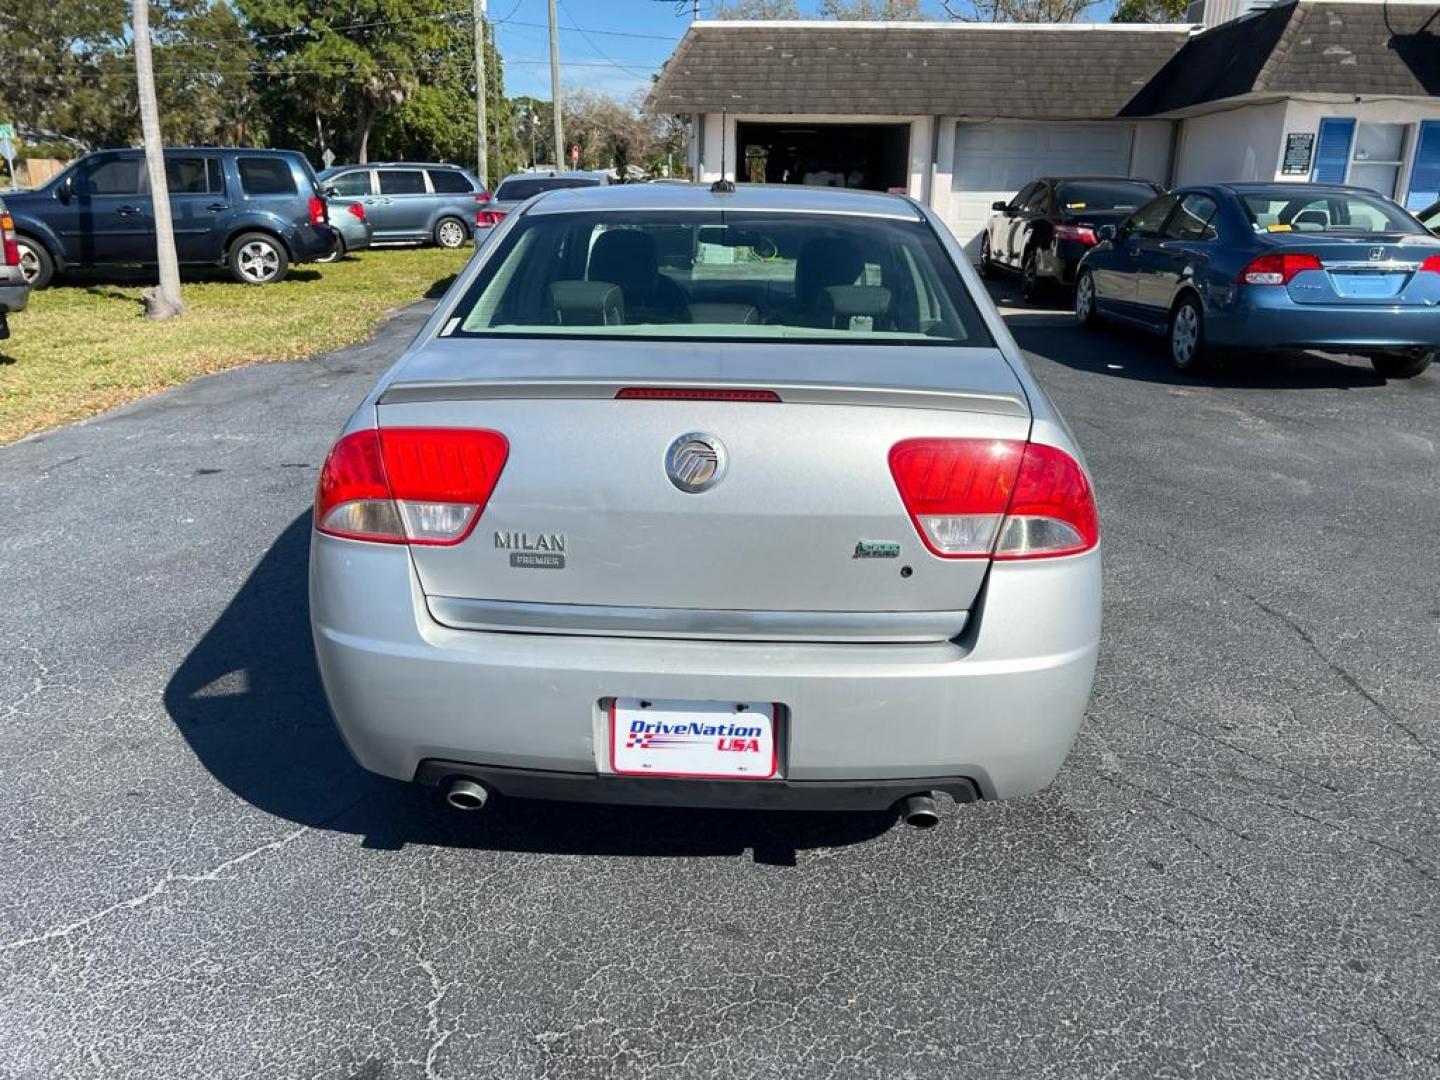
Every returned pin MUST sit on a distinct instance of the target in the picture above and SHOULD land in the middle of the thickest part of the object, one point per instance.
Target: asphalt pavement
(1234, 875)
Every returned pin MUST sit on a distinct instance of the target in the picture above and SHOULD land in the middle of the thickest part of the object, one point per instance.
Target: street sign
(7, 131)
(328, 157)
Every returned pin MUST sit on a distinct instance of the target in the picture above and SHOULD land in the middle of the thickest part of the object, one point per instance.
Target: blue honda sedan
(1221, 267)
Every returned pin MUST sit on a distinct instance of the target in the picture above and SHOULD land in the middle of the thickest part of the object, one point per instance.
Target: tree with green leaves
(1150, 11)
(352, 65)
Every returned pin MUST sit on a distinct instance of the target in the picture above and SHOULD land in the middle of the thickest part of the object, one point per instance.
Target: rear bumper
(310, 242)
(1260, 321)
(13, 298)
(862, 724)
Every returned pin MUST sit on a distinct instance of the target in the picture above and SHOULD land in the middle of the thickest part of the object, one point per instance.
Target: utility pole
(164, 301)
(555, 89)
(482, 150)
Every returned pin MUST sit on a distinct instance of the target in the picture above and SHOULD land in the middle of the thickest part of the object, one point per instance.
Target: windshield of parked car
(736, 276)
(1326, 211)
(1117, 195)
(519, 190)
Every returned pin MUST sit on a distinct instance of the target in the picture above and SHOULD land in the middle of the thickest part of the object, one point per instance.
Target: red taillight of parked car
(1082, 234)
(995, 498)
(1276, 268)
(317, 210)
(1431, 265)
(487, 218)
(355, 210)
(409, 485)
(7, 240)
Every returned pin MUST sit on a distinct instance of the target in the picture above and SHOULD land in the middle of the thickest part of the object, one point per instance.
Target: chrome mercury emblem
(695, 462)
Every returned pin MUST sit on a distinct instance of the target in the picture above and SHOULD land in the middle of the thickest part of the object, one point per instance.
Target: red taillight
(317, 210)
(409, 485)
(1276, 268)
(1083, 234)
(1431, 265)
(7, 237)
(687, 393)
(1000, 498)
(483, 196)
(355, 209)
(487, 218)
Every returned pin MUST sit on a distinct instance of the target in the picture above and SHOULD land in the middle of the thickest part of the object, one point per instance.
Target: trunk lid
(1368, 269)
(804, 518)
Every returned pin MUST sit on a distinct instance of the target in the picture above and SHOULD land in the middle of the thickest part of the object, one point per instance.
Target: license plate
(716, 740)
(1368, 286)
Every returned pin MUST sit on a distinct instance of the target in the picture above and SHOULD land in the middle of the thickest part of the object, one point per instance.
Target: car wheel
(451, 233)
(36, 263)
(257, 259)
(1085, 313)
(1402, 365)
(1030, 284)
(987, 262)
(1187, 336)
(337, 252)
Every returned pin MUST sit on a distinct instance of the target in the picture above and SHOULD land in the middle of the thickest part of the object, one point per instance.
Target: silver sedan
(713, 498)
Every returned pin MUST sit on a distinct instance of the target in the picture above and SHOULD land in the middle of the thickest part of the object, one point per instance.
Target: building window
(1379, 153)
(1425, 173)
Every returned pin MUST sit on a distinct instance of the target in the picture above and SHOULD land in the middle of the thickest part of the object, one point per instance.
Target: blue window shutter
(1425, 173)
(1332, 150)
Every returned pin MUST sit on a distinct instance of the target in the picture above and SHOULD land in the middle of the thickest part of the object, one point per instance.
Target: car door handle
(1133, 252)
(126, 211)
(216, 207)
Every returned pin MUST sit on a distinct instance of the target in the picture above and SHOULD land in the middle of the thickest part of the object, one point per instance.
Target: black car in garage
(1045, 230)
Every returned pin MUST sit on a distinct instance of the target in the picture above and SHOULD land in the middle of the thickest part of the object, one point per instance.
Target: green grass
(84, 345)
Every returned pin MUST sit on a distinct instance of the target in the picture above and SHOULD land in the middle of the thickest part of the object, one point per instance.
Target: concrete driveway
(1235, 875)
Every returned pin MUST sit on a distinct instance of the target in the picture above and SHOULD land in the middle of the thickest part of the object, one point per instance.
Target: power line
(600, 53)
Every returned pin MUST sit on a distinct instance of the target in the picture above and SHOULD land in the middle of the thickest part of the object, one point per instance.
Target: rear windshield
(519, 190)
(1326, 211)
(732, 276)
(1118, 195)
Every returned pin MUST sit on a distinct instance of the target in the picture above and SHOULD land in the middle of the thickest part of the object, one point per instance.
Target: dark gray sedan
(1271, 266)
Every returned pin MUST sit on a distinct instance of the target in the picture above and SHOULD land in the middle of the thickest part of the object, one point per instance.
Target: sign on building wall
(1299, 147)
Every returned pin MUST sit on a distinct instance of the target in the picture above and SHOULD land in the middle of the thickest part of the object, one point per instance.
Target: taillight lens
(355, 209)
(483, 196)
(1000, 498)
(409, 485)
(1431, 265)
(1084, 234)
(7, 237)
(487, 218)
(317, 210)
(1276, 268)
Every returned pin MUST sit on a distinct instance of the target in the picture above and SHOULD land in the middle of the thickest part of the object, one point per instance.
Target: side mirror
(66, 188)
(1000, 205)
(332, 192)
(1106, 232)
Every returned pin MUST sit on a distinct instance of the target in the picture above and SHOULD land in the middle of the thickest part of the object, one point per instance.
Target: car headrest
(822, 262)
(587, 303)
(1312, 217)
(625, 257)
(839, 304)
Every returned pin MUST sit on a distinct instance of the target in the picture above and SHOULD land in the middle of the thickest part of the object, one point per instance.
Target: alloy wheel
(1084, 298)
(450, 234)
(1184, 335)
(258, 261)
(29, 262)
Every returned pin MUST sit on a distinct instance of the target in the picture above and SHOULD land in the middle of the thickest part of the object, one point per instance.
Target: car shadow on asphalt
(249, 702)
(1120, 352)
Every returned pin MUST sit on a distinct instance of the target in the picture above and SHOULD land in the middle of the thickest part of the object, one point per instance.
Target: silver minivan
(412, 201)
(700, 497)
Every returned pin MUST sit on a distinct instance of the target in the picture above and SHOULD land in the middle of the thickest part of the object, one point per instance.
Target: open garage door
(995, 160)
(875, 157)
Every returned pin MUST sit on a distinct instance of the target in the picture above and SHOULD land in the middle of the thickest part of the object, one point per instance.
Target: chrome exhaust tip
(919, 811)
(466, 794)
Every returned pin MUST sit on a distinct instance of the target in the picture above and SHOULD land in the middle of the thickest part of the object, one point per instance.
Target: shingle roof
(1085, 71)
(1305, 48)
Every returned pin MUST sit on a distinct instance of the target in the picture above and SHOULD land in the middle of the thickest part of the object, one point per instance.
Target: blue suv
(252, 211)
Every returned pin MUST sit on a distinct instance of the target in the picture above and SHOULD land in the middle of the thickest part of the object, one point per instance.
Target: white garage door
(995, 160)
